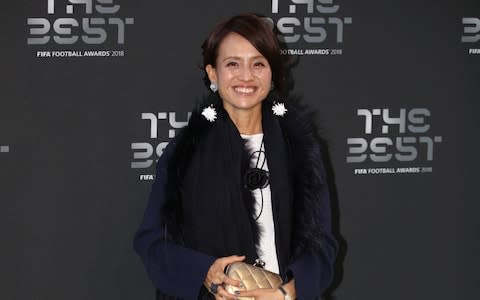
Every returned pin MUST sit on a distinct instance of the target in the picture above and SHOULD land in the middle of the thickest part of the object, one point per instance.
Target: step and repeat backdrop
(93, 90)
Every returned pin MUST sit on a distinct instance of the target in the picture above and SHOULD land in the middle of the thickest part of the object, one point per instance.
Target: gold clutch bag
(252, 277)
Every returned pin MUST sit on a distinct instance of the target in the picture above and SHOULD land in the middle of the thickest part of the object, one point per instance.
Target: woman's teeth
(244, 90)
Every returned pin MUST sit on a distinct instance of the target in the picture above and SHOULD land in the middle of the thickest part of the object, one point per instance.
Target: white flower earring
(213, 87)
(279, 109)
(209, 113)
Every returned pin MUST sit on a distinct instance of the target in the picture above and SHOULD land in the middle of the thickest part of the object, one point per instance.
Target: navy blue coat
(180, 272)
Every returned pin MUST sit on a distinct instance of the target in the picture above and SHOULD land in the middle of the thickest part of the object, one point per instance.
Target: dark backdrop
(79, 136)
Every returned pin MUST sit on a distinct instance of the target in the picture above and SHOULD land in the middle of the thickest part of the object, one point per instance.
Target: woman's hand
(217, 276)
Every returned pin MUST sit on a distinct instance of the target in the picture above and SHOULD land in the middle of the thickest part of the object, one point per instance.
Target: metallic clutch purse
(252, 277)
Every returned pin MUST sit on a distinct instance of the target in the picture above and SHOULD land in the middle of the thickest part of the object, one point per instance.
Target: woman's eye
(232, 64)
(259, 64)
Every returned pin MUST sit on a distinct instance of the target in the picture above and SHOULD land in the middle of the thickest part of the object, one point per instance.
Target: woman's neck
(247, 121)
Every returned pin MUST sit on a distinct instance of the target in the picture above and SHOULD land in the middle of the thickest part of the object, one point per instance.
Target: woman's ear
(211, 73)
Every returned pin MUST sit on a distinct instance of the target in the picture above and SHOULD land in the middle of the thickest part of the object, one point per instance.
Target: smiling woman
(243, 181)
(244, 78)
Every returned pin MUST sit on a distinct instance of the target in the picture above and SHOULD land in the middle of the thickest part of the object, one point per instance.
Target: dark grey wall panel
(71, 127)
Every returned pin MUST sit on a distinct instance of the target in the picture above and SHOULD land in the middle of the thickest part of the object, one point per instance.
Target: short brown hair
(258, 32)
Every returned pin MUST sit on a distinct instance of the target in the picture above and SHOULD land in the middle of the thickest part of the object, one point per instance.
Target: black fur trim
(185, 144)
(308, 174)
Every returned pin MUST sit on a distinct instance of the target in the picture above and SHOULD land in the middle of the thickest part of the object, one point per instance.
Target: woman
(243, 180)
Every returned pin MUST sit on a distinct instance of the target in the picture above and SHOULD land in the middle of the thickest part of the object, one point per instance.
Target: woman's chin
(244, 106)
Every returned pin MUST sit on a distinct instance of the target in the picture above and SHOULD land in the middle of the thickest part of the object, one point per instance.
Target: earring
(213, 87)
(272, 86)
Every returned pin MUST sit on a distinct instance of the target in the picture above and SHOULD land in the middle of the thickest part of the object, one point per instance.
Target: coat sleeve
(173, 269)
(313, 272)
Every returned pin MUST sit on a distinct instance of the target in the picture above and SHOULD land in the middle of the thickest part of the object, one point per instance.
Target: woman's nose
(246, 73)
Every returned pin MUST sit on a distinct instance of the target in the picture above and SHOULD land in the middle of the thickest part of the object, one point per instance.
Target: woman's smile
(245, 90)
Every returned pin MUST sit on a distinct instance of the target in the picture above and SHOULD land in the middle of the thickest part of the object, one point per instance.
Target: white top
(265, 220)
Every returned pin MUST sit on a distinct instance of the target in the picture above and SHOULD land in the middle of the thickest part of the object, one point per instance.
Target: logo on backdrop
(310, 27)
(70, 25)
(393, 142)
(161, 127)
(471, 35)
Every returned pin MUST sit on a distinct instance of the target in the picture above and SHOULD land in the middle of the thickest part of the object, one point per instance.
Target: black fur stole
(303, 183)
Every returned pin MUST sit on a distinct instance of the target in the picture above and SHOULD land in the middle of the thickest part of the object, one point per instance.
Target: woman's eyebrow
(239, 58)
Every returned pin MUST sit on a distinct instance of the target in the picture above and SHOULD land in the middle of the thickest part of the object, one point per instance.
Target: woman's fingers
(231, 259)
(217, 277)
(231, 281)
(223, 294)
(251, 293)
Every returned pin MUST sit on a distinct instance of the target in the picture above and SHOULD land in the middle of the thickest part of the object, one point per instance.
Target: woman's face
(242, 74)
